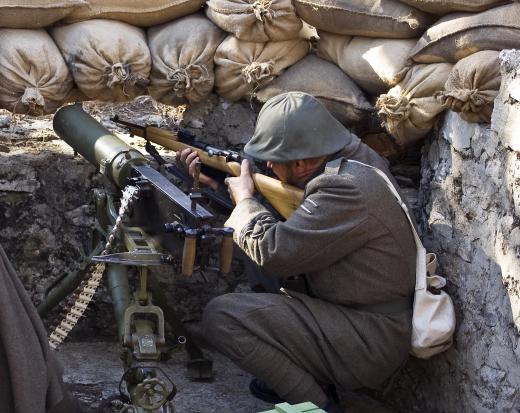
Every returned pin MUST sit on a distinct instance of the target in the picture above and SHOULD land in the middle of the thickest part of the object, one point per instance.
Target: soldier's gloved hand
(241, 187)
(187, 158)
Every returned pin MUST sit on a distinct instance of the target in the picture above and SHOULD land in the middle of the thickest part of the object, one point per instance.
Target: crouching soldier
(350, 242)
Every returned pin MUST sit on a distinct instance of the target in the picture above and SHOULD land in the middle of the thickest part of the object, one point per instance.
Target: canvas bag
(255, 20)
(433, 320)
(472, 86)
(109, 60)
(459, 35)
(408, 110)
(244, 67)
(35, 14)
(136, 12)
(34, 78)
(448, 6)
(374, 64)
(182, 59)
(383, 18)
(326, 82)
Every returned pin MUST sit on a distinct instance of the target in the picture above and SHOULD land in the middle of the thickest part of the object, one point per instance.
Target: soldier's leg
(273, 337)
(30, 377)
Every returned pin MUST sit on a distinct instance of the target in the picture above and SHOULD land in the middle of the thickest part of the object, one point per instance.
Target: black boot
(332, 407)
(262, 391)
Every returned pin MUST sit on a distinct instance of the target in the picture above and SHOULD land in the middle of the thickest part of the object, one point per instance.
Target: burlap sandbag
(35, 14)
(256, 20)
(109, 60)
(472, 86)
(448, 6)
(459, 35)
(382, 18)
(245, 67)
(409, 109)
(182, 59)
(326, 82)
(374, 64)
(136, 12)
(34, 78)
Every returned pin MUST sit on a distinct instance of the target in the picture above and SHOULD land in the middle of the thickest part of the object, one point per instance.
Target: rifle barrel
(283, 197)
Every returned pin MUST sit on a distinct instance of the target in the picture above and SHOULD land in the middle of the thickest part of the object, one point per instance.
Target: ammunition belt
(85, 292)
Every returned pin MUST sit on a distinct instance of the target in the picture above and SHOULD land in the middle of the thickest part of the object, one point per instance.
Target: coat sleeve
(330, 224)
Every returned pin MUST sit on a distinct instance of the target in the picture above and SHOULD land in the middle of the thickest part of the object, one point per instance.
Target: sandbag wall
(405, 60)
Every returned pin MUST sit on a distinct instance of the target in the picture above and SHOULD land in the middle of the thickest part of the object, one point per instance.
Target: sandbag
(448, 6)
(182, 59)
(135, 12)
(472, 86)
(374, 64)
(256, 20)
(35, 14)
(109, 60)
(408, 110)
(459, 35)
(382, 18)
(244, 67)
(326, 82)
(34, 78)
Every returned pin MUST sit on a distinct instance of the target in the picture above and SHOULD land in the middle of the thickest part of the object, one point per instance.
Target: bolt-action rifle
(145, 222)
(283, 197)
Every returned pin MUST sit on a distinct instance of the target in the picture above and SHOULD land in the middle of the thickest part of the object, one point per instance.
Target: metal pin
(284, 292)
(314, 204)
(306, 210)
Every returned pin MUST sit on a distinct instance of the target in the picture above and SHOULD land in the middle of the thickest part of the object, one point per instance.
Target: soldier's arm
(330, 223)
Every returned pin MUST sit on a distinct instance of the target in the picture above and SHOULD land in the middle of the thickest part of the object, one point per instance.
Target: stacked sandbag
(109, 60)
(382, 18)
(34, 78)
(35, 14)
(408, 110)
(255, 20)
(135, 12)
(374, 64)
(472, 86)
(459, 35)
(182, 59)
(245, 67)
(325, 81)
(447, 6)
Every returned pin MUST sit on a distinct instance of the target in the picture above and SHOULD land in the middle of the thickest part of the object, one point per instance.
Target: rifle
(283, 197)
(145, 222)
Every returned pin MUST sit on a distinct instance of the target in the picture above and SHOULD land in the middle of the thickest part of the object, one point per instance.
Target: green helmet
(294, 126)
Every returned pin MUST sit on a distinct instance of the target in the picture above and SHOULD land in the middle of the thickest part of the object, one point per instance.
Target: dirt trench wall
(470, 196)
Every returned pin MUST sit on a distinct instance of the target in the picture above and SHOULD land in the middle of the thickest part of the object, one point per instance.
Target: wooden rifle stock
(283, 197)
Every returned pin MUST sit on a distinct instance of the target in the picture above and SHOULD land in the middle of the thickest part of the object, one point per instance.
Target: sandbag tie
(117, 73)
(258, 71)
(464, 100)
(262, 10)
(186, 78)
(410, 20)
(393, 107)
(33, 100)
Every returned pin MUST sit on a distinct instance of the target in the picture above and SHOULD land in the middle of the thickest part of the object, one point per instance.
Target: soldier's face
(283, 170)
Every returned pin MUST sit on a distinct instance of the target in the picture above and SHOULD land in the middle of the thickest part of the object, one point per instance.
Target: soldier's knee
(217, 319)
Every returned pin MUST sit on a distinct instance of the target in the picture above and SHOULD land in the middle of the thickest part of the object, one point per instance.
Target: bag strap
(420, 262)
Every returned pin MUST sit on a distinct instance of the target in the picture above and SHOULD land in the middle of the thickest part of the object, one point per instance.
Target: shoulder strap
(420, 270)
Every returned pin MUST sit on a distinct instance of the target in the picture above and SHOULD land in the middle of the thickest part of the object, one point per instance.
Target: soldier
(30, 378)
(349, 241)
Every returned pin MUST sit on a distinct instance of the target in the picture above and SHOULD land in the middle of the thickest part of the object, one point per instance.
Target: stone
(458, 132)
(469, 205)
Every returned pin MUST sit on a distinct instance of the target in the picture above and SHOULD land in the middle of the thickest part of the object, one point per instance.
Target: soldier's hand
(241, 187)
(188, 158)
